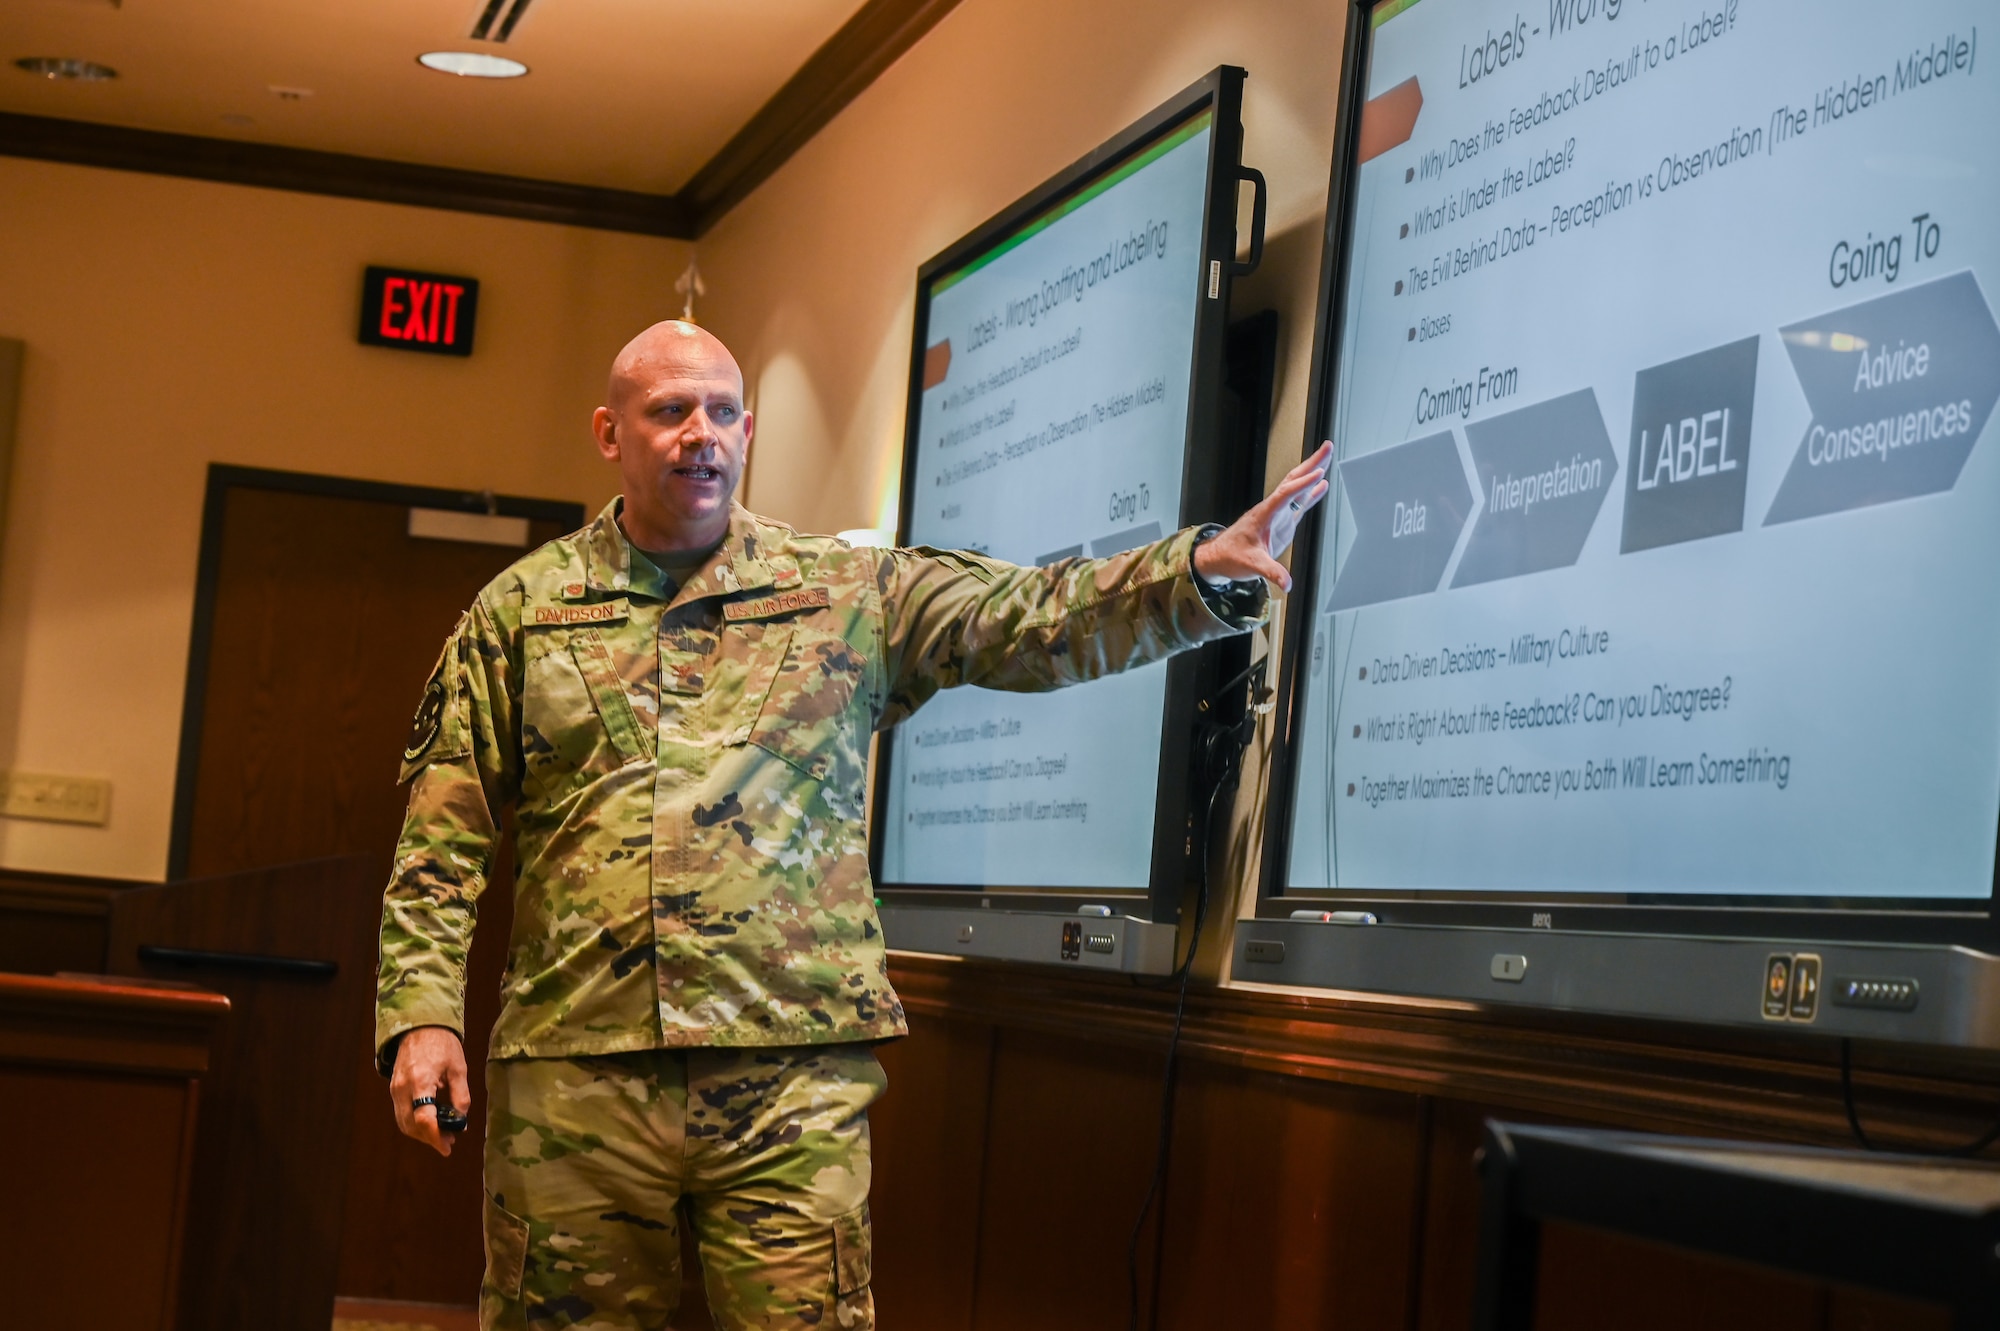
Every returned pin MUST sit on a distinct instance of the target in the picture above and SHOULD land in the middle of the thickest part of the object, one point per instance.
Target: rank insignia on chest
(606, 612)
(784, 603)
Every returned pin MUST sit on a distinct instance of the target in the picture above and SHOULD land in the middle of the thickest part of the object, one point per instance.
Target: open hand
(1249, 547)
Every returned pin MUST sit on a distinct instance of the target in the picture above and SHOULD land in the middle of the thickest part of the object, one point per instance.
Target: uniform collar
(738, 564)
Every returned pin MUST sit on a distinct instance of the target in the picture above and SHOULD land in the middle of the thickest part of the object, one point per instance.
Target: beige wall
(173, 323)
(812, 279)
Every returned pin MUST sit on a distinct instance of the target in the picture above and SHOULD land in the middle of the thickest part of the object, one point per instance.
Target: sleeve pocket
(852, 1260)
(506, 1250)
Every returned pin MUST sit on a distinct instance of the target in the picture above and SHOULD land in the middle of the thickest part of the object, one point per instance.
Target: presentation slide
(1664, 543)
(1055, 407)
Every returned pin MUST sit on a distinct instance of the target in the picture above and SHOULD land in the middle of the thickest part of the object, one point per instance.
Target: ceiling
(622, 94)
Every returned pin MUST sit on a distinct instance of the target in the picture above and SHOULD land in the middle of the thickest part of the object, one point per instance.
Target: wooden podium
(293, 948)
(99, 1088)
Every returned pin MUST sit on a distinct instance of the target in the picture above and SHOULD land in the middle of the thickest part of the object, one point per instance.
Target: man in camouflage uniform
(676, 702)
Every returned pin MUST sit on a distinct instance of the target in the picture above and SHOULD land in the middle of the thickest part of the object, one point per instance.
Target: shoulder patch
(429, 721)
(604, 612)
(784, 603)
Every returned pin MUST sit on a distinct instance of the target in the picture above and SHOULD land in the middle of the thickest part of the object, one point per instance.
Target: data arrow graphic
(1543, 473)
(1900, 387)
(1409, 503)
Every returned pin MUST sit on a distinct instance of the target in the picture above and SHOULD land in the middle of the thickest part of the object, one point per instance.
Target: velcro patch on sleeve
(784, 603)
(605, 612)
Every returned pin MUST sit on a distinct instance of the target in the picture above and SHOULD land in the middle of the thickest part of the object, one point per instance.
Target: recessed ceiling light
(472, 64)
(61, 67)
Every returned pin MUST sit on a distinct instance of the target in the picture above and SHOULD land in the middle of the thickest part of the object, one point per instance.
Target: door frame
(224, 477)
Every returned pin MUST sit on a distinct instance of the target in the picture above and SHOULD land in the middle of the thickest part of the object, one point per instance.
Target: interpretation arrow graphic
(1543, 474)
(1409, 503)
(1900, 387)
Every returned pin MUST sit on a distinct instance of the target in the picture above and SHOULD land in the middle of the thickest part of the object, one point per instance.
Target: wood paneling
(98, 1105)
(1647, 1076)
(1069, 1148)
(1450, 1238)
(1289, 1203)
(928, 1137)
(1322, 1172)
(264, 1220)
(54, 923)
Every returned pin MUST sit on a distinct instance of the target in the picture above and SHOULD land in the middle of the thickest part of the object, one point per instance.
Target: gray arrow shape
(1543, 473)
(1409, 503)
(1900, 387)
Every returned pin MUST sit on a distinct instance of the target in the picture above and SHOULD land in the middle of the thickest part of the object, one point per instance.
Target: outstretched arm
(954, 618)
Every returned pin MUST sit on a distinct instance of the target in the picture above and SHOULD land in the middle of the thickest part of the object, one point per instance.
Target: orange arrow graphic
(937, 364)
(1388, 121)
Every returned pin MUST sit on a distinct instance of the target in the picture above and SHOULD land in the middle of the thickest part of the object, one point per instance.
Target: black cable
(1972, 1148)
(1225, 780)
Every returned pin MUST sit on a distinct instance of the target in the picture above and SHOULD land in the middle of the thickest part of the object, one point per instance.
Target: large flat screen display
(1051, 423)
(1662, 558)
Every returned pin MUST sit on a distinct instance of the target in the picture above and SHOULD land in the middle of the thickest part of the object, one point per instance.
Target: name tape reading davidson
(604, 613)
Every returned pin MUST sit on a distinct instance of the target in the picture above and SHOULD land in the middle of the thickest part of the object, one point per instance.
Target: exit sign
(418, 311)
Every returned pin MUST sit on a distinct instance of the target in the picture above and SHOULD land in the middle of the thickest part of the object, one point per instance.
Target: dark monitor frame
(1935, 921)
(1211, 491)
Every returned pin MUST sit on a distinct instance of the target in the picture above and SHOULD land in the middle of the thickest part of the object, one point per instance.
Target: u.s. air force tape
(784, 603)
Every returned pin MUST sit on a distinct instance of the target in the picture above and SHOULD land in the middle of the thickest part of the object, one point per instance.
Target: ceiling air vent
(498, 20)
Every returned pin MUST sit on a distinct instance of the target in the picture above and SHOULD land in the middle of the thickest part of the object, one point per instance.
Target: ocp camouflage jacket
(687, 769)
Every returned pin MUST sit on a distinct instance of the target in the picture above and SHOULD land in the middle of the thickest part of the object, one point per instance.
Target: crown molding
(843, 67)
(834, 75)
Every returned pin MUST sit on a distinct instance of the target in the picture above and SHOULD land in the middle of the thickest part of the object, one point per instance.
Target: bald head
(673, 424)
(670, 347)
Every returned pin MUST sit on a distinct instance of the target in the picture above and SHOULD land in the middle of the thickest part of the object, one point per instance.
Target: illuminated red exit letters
(415, 311)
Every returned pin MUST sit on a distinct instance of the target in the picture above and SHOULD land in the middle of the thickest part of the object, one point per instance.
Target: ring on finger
(421, 1101)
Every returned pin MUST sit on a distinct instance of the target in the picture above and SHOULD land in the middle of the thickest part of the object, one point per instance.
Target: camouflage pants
(590, 1163)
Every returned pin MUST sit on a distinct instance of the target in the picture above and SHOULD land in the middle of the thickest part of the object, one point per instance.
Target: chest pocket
(577, 722)
(807, 717)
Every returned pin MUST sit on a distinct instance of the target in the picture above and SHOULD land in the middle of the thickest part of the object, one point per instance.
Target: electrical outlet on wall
(55, 799)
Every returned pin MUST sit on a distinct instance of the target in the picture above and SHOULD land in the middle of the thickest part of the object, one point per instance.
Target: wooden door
(318, 620)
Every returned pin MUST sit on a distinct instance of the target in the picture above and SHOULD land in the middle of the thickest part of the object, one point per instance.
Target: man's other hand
(429, 1061)
(1249, 548)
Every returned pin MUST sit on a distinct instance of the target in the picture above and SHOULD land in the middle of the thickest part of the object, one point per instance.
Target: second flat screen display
(1054, 412)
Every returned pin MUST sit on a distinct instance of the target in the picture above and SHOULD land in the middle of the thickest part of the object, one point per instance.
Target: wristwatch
(1231, 598)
